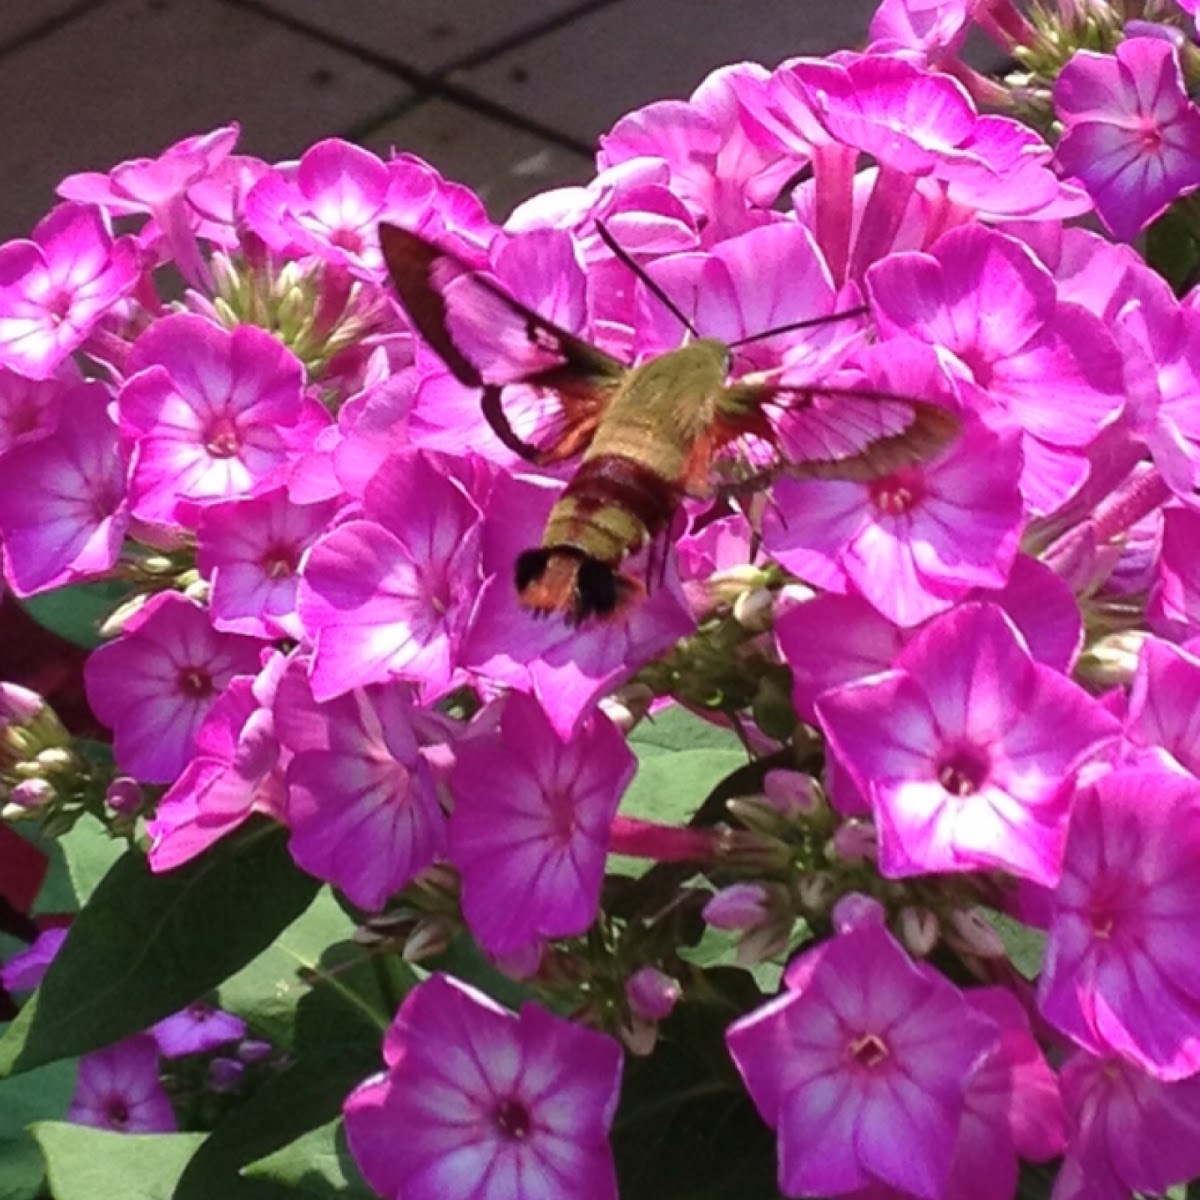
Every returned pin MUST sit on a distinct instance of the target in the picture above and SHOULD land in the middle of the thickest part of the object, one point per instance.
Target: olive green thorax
(662, 408)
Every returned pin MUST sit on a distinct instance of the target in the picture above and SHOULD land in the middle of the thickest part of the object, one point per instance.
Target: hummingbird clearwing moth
(649, 434)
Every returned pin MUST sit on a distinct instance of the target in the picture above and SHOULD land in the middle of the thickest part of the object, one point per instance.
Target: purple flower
(1164, 703)
(196, 1029)
(1122, 969)
(63, 515)
(118, 1089)
(390, 597)
(914, 541)
(213, 414)
(362, 805)
(24, 971)
(154, 685)
(1132, 132)
(1174, 607)
(860, 1068)
(481, 1104)
(1131, 1132)
(55, 288)
(251, 549)
(29, 409)
(531, 852)
(967, 749)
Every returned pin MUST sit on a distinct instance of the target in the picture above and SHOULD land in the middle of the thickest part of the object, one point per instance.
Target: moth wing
(525, 363)
(834, 432)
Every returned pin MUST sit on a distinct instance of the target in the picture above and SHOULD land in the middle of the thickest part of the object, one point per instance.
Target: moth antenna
(623, 256)
(807, 323)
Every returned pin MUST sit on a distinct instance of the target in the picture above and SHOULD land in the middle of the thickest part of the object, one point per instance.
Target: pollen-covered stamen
(869, 1050)
(512, 1119)
(899, 492)
(222, 438)
(963, 770)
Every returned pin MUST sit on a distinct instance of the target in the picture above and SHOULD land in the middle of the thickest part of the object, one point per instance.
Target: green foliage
(685, 1127)
(319, 1164)
(79, 859)
(146, 945)
(75, 613)
(38, 1096)
(84, 1163)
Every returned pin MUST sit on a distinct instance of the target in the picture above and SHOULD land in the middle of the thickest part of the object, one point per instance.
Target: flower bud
(816, 892)
(919, 930)
(55, 760)
(18, 705)
(124, 796)
(754, 610)
(793, 794)
(651, 994)
(741, 906)
(971, 931)
(429, 938)
(854, 842)
(225, 1074)
(31, 794)
(255, 1050)
(856, 910)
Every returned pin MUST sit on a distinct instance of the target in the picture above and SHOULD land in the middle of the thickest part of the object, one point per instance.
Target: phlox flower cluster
(966, 667)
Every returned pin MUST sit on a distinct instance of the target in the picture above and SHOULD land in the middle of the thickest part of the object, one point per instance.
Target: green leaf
(464, 960)
(319, 1163)
(38, 1096)
(76, 613)
(146, 945)
(718, 948)
(681, 759)
(677, 728)
(305, 1097)
(85, 1163)
(1024, 946)
(685, 1126)
(268, 989)
(78, 861)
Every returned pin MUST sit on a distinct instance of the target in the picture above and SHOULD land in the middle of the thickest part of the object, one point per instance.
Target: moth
(649, 435)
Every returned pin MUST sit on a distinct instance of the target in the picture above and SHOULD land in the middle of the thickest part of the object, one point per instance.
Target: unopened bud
(740, 906)
(198, 590)
(971, 931)
(225, 1074)
(856, 910)
(31, 794)
(18, 705)
(816, 892)
(255, 1050)
(651, 993)
(754, 610)
(114, 623)
(429, 938)
(124, 796)
(55, 760)
(854, 842)
(793, 794)
(1111, 661)
(919, 930)
(725, 586)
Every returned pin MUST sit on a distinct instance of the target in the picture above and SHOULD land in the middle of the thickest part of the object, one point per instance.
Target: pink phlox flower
(24, 971)
(56, 287)
(331, 202)
(362, 803)
(390, 596)
(531, 825)
(967, 749)
(161, 188)
(154, 685)
(235, 772)
(1012, 1106)
(567, 669)
(1164, 703)
(990, 308)
(251, 550)
(1130, 1131)
(930, 31)
(1174, 606)
(118, 1089)
(1132, 132)
(1122, 967)
(860, 1068)
(912, 542)
(482, 1104)
(141, 185)
(212, 414)
(195, 1030)
(722, 174)
(30, 408)
(63, 512)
